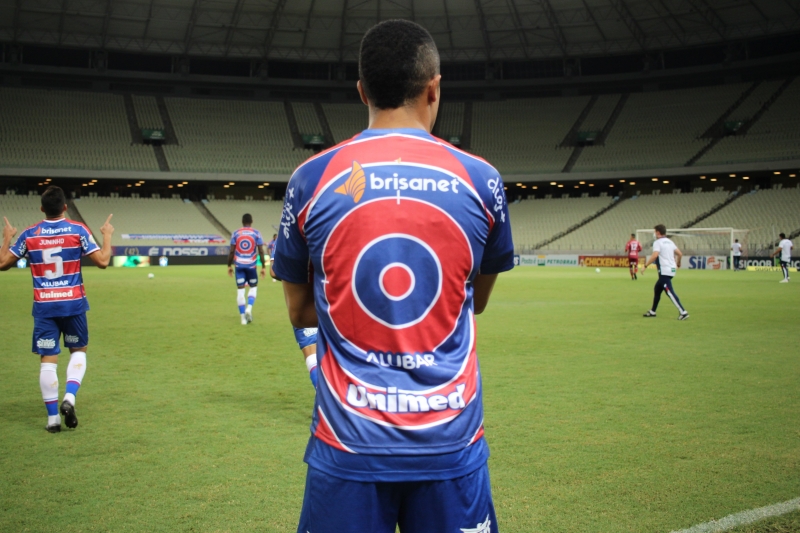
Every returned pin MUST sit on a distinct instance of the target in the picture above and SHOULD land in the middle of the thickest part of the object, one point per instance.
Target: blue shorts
(247, 275)
(47, 333)
(334, 505)
(305, 337)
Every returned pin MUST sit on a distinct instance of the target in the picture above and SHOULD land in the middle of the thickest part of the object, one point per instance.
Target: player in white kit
(667, 257)
(785, 251)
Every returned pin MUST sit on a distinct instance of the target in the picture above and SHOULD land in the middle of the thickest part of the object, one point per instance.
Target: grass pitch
(598, 420)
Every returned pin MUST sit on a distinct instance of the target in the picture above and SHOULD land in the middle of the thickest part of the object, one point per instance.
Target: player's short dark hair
(735, 240)
(53, 200)
(633, 235)
(396, 61)
(661, 228)
(783, 235)
(247, 218)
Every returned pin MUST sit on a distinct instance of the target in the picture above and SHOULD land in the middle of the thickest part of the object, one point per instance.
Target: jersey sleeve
(233, 238)
(20, 248)
(259, 239)
(291, 256)
(88, 244)
(498, 254)
(656, 247)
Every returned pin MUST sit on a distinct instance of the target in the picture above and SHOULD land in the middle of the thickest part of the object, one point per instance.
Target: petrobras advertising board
(546, 260)
(705, 262)
(170, 251)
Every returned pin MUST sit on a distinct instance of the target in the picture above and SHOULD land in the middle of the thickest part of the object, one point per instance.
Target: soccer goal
(707, 242)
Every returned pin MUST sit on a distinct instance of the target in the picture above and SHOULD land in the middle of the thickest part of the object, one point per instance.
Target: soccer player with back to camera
(736, 248)
(667, 258)
(392, 242)
(246, 243)
(785, 251)
(633, 247)
(54, 248)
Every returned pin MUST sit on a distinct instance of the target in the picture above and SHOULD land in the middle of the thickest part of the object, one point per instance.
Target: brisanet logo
(55, 231)
(395, 182)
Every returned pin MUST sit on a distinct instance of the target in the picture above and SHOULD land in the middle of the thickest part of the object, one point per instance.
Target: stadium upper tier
(231, 136)
(765, 213)
(21, 211)
(534, 221)
(69, 130)
(144, 216)
(346, 120)
(522, 136)
(611, 230)
(266, 214)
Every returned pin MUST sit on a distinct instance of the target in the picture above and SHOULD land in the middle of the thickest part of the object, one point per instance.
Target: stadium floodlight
(701, 241)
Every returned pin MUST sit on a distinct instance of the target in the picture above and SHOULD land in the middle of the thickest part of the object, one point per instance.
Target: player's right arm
(482, 290)
(230, 260)
(7, 259)
(678, 256)
(102, 257)
(300, 303)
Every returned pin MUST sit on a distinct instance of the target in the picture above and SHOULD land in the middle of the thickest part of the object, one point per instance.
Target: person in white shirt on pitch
(667, 258)
(785, 249)
(737, 254)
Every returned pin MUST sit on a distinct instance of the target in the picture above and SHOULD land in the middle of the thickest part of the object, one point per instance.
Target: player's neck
(407, 117)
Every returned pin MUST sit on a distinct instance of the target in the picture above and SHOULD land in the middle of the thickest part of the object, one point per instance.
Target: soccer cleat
(649, 314)
(784, 281)
(248, 316)
(683, 316)
(68, 410)
(55, 428)
(635, 277)
(244, 321)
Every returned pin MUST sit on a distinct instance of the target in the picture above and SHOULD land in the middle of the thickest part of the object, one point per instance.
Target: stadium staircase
(583, 222)
(169, 130)
(326, 127)
(571, 138)
(130, 111)
(466, 134)
(717, 129)
(733, 196)
(211, 218)
(612, 119)
(74, 214)
(297, 139)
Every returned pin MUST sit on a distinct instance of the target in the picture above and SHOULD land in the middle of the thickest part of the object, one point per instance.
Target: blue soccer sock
(48, 382)
(75, 372)
(311, 365)
(240, 300)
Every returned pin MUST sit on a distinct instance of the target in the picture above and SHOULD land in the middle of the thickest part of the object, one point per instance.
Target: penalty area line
(744, 518)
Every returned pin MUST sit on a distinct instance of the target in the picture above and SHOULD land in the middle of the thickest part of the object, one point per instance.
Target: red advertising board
(607, 261)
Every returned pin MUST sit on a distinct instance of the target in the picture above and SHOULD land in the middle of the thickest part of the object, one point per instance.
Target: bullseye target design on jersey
(245, 244)
(394, 275)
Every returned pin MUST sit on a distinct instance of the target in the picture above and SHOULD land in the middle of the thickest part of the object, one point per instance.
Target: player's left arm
(7, 259)
(482, 290)
(263, 262)
(102, 256)
(230, 260)
(650, 260)
(678, 256)
(300, 303)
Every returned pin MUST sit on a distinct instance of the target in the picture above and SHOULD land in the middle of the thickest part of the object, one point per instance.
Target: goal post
(700, 241)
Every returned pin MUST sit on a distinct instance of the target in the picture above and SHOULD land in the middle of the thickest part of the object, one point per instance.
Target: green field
(598, 420)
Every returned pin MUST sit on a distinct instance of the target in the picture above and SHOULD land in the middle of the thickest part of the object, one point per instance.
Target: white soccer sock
(251, 296)
(311, 361)
(75, 372)
(240, 299)
(48, 382)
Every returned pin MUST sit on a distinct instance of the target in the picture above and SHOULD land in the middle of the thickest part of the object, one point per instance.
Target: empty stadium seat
(266, 214)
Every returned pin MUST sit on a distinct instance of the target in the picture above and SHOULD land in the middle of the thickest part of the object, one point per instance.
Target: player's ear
(66, 207)
(362, 93)
(432, 89)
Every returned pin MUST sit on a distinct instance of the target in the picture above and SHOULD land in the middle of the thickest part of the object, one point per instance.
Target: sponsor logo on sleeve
(495, 185)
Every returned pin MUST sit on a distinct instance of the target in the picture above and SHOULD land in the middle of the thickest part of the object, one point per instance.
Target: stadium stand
(307, 120)
(766, 213)
(534, 221)
(144, 215)
(598, 116)
(450, 122)
(660, 129)
(522, 136)
(231, 136)
(774, 136)
(346, 120)
(147, 115)
(69, 130)
(266, 214)
(610, 231)
(21, 211)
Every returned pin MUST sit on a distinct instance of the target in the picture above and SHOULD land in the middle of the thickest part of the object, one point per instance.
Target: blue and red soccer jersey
(55, 248)
(246, 240)
(392, 227)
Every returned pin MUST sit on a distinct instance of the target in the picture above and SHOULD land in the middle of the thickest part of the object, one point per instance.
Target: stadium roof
(330, 30)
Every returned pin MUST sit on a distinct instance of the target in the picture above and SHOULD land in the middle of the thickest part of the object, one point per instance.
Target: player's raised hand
(8, 230)
(107, 229)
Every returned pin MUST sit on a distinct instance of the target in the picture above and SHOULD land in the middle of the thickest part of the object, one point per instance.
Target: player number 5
(50, 259)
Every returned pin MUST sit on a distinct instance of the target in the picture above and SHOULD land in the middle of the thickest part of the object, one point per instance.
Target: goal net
(703, 242)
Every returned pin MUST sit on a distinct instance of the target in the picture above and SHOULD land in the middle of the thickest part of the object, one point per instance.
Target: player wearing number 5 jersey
(391, 242)
(54, 248)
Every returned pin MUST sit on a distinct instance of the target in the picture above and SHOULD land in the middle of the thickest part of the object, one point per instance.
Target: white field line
(744, 518)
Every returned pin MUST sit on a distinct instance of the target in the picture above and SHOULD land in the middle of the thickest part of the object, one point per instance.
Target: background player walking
(392, 242)
(785, 251)
(633, 247)
(55, 247)
(736, 248)
(667, 258)
(246, 243)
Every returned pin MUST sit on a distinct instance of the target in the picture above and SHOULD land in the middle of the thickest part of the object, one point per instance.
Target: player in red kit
(633, 247)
